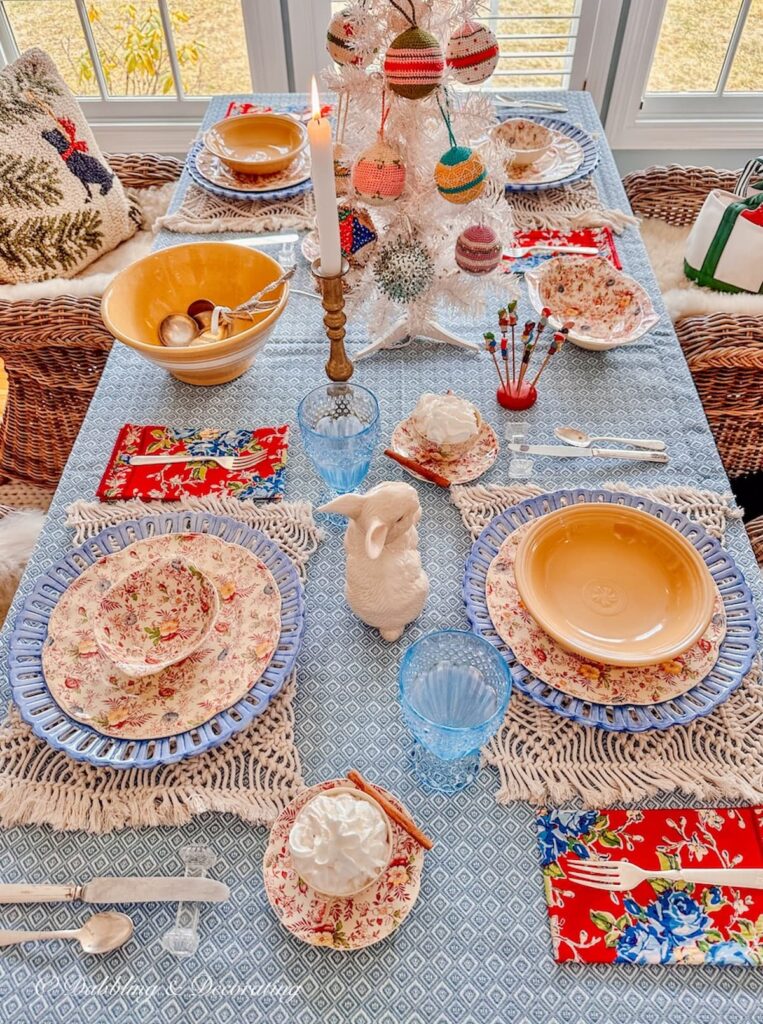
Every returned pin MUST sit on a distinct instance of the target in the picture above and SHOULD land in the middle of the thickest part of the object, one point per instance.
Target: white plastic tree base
(400, 330)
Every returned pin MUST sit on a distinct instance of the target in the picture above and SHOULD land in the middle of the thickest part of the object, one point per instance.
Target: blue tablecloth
(476, 947)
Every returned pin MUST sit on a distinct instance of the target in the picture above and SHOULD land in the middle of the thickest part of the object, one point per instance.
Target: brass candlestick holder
(339, 365)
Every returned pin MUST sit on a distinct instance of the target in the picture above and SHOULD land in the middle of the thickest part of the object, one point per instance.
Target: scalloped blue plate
(230, 193)
(49, 722)
(587, 144)
(734, 658)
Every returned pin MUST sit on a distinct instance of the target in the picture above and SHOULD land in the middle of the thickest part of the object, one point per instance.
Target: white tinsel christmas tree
(412, 276)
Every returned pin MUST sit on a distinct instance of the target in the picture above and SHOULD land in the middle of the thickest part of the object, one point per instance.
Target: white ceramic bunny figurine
(385, 585)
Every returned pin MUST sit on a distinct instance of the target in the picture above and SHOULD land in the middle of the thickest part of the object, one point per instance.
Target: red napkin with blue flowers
(658, 922)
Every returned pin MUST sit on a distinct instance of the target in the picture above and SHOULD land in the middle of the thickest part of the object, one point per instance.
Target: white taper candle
(324, 188)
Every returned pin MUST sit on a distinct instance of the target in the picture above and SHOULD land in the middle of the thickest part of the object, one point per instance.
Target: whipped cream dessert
(339, 844)
(446, 420)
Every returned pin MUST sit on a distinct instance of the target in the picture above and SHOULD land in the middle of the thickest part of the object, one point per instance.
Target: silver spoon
(579, 439)
(101, 933)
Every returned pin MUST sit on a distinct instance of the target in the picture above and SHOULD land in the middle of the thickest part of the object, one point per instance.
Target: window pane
(693, 41)
(211, 46)
(131, 47)
(31, 21)
(747, 71)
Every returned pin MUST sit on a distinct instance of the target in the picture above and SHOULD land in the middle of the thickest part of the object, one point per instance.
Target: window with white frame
(689, 74)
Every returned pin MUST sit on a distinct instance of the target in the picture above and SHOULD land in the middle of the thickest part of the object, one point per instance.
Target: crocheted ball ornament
(340, 41)
(460, 175)
(357, 235)
(478, 249)
(472, 53)
(342, 169)
(403, 269)
(378, 175)
(414, 64)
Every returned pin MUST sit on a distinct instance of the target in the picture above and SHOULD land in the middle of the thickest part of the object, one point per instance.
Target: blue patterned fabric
(476, 947)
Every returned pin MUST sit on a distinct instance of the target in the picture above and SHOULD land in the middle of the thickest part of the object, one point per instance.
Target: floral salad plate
(460, 470)
(215, 171)
(94, 690)
(608, 308)
(156, 616)
(581, 677)
(341, 922)
(571, 156)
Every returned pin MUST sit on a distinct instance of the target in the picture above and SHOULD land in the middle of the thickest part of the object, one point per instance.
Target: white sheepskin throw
(18, 536)
(665, 245)
(153, 203)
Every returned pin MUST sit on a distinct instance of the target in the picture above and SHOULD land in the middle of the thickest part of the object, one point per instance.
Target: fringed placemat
(545, 758)
(202, 213)
(254, 775)
(563, 209)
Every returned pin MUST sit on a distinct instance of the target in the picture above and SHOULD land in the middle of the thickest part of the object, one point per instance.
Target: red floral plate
(341, 922)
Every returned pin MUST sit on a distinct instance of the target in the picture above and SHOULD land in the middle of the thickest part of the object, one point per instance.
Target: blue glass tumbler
(454, 689)
(339, 424)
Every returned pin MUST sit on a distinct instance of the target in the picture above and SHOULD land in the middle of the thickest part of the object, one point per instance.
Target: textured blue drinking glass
(454, 688)
(339, 424)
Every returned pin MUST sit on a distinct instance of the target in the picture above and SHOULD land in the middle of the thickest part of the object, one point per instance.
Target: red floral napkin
(658, 922)
(235, 108)
(264, 482)
(602, 238)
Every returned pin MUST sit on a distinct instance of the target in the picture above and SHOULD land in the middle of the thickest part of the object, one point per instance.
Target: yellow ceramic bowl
(257, 143)
(165, 282)
(614, 584)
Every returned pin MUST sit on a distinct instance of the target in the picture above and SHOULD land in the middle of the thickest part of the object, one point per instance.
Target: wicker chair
(55, 351)
(724, 352)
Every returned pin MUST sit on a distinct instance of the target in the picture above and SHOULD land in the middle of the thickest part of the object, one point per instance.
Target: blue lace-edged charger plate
(271, 196)
(51, 724)
(572, 131)
(736, 653)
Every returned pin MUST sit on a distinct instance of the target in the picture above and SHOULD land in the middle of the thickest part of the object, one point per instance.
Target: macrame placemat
(545, 758)
(254, 775)
(202, 213)
(564, 209)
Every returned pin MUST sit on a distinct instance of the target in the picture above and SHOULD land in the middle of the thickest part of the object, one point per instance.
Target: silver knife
(566, 452)
(161, 889)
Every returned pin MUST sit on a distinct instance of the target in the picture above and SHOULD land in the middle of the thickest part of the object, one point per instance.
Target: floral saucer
(215, 171)
(349, 922)
(561, 159)
(91, 689)
(577, 676)
(460, 470)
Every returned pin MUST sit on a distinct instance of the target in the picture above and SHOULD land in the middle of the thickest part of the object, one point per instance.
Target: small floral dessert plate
(155, 616)
(573, 156)
(460, 470)
(579, 676)
(349, 922)
(93, 690)
(608, 308)
(218, 173)
(236, 187)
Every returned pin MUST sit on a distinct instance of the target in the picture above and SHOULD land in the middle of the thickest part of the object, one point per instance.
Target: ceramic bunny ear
(350, 505)
(376, 537)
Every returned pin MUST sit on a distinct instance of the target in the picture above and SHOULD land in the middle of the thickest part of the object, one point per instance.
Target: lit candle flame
(316, 100)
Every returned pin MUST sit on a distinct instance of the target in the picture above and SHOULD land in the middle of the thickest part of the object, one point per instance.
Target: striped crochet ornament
(460, 175)
(340, 41)
(478, 249)
(472, 53)
(414, 63)
(342, 169)
(378, 175)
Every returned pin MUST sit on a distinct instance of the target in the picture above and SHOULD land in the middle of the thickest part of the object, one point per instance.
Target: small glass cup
(454, 689)
(340, 429)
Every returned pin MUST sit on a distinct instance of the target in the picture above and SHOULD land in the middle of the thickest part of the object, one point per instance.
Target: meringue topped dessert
(448, 425)
(340, 842)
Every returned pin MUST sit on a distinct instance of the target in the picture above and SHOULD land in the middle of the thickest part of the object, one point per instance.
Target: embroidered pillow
(61, 205)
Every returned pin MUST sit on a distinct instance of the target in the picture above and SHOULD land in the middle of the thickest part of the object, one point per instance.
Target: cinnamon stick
(416, 467)
(402, 820)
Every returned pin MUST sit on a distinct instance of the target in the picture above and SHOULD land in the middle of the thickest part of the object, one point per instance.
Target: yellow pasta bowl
(614, 584)
(168, 281)
(257, 143)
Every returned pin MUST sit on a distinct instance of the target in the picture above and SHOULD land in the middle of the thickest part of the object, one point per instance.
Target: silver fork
(233, 463)
(617, 876)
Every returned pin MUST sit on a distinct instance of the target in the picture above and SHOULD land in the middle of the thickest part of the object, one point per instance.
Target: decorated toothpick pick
(530, 342)
(558, 340)
(491, 345)
(513, 318)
